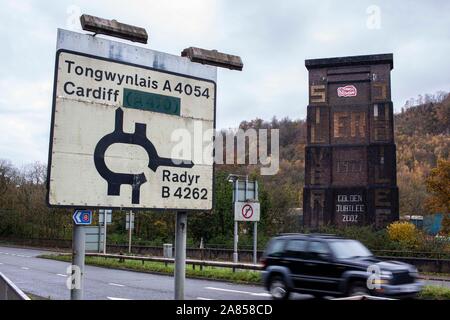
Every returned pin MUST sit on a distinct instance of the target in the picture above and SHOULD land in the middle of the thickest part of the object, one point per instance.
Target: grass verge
(216, 273)
(435, 293)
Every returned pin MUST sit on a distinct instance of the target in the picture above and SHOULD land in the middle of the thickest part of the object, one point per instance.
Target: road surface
(47, 278)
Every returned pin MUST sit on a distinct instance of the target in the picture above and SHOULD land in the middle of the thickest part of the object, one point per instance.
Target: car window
(317, 250)
(275, 248)
(296, 248)
(346, 249)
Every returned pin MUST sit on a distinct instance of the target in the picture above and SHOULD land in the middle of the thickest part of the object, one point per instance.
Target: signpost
(246, 208)
(246, 211)
(94, 238)
(129, 160)
(105, 217)
(133, 128)
(129, 226)
(80, 218)
(104, 214)
(135, 114)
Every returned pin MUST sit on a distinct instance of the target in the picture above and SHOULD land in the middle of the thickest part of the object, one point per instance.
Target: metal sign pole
(255, 242)
(78, 252)
(236, 198)
(129, 231)
(104, 229)
(180, 254)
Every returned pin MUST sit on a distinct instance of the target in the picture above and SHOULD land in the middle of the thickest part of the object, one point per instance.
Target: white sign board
(94, 238)
(101, 216)
(246, 211)
(130, 136)
(127, 221)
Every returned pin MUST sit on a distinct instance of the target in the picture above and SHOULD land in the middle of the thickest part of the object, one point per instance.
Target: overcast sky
(272, 37)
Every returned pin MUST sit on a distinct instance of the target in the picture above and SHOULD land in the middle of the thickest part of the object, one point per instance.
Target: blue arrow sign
(82, 217)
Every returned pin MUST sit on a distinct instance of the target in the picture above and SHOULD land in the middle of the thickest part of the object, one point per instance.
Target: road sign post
(80, 218)
(146, 108)
(246, 208)
(180, 254)
(236, 227)
(130, 229)
(78, 252)
(105, 222)
(255, 242)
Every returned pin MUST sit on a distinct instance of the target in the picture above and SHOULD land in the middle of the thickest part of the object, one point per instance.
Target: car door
(320, 269)
(274, 252)
(294, 260)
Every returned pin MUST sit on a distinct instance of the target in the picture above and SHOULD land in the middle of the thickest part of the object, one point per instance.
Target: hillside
(422, 135)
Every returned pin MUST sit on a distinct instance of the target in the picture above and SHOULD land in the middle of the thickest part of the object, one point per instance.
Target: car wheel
(278, 288)
(358, 288)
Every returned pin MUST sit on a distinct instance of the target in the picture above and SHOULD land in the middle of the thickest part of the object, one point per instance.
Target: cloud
(25, 120)
(273, 40)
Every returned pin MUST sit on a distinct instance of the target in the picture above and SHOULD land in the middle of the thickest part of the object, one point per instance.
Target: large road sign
(246, 211)
(82, 217)
(126, 134)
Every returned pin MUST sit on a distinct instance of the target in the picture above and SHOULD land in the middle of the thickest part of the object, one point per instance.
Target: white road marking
(114, 298)
(239, 291)
(116, 284)
(62, 275)
(201, 298)
(1, 263)
(262, 294)
(25, 268)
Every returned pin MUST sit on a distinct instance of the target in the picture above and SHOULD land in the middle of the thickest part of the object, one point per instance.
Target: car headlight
(386, 275)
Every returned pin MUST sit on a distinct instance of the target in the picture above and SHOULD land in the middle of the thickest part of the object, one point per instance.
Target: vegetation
(435, 293)
(422, 134)
(438, 186)
(380, 242)
(404, 233)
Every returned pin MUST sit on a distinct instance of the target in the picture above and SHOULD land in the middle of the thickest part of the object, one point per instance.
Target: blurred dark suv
(327, 265)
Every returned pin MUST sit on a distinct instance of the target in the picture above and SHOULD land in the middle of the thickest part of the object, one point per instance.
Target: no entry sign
(131, 127)
(246, 211)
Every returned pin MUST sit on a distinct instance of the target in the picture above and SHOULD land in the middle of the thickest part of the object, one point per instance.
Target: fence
(9, 291)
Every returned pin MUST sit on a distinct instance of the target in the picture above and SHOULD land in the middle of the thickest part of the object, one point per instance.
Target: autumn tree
(438, 186)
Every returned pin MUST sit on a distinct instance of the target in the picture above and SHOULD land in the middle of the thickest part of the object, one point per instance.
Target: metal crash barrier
(9, 291)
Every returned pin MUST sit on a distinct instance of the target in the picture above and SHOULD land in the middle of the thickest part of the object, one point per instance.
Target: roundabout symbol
(247, 211)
